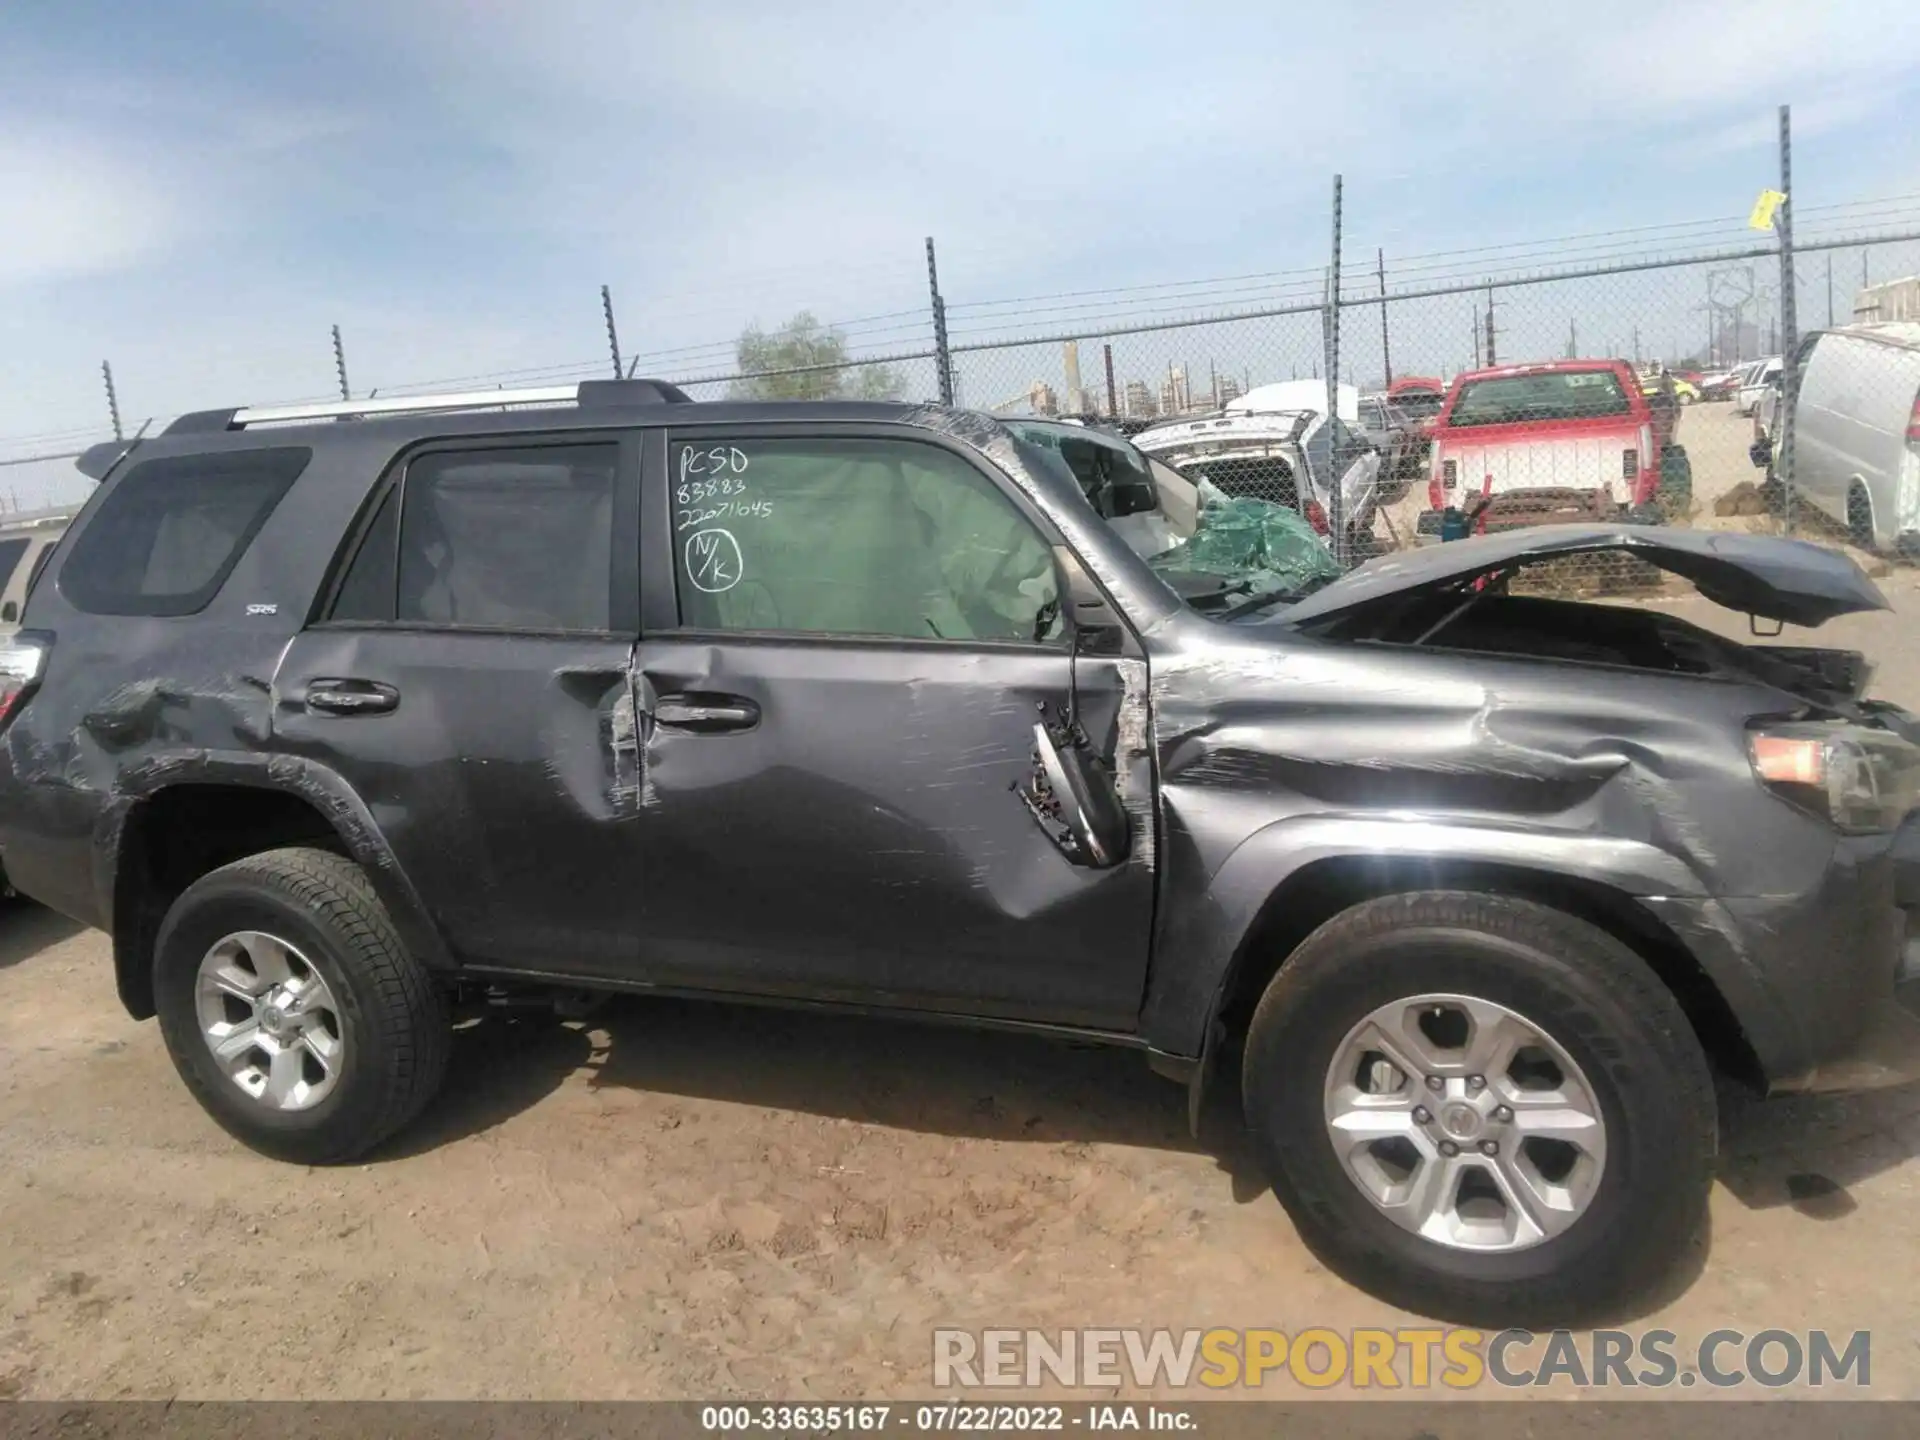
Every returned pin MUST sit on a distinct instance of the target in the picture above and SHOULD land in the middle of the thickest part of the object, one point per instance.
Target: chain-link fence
(1751, 374)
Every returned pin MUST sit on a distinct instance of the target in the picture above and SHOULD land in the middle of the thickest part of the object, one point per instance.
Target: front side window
(509, 539)
(165, 540)
(854, 537)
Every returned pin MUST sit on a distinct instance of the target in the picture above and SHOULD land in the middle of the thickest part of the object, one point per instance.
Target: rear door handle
(706, 714)
(351, 697)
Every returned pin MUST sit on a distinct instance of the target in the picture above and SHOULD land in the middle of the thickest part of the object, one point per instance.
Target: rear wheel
(1481, 1109)
(292, 1010)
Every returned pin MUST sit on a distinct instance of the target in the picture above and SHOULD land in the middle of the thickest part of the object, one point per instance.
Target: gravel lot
(676, 1199)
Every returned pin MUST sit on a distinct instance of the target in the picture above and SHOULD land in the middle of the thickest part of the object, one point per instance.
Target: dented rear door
(469, 680)
(837, 686)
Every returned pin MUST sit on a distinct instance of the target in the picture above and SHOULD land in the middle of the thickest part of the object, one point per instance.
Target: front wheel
(292, 1009)
(1481, 1109)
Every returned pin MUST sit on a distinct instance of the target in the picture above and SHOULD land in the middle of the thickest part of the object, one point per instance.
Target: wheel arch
(1317, 892)
(171, 825)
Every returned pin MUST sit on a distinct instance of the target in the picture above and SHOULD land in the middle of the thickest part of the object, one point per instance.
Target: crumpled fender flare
(316, 784)
(1203, 939)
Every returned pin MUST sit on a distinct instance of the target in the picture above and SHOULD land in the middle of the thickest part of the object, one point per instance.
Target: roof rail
(586, 394)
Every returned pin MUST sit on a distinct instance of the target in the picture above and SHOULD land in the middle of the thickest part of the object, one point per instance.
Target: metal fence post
(1789, 319)
(340, 364)
(1386, 350)
(113, 399)
(1336, 500)
(613, 336)
(942, 356)
(1113, 395)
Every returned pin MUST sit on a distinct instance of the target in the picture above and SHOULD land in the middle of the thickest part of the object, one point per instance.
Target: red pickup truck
(1565, 439)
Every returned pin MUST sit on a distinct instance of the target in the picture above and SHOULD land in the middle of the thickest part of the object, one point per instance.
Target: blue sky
(198, 190)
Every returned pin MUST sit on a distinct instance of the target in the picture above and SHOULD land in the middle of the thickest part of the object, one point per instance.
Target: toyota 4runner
(339, 717)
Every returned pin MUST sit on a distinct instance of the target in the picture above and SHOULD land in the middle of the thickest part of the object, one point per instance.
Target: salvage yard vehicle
(1856, 431)
(26, 542)
(1261, 445)
(1564, 434)
(342, 718)
(1753, 384)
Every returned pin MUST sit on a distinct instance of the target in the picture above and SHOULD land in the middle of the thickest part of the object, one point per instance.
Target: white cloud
(455, 202)
(70, 207)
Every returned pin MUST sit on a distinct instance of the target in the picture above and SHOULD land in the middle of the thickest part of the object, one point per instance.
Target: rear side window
(507, 539)
(165, 540)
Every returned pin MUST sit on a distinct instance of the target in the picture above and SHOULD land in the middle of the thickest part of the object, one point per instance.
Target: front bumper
(1824, 985)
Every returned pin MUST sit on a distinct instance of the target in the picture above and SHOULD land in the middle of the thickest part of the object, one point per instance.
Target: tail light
(23, 660)
(1913, 422)
(1317, 517)
(1630, 463)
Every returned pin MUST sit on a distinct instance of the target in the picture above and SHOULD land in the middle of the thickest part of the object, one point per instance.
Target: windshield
(1222, 554)
(1418, 404)
(1553, 395)
(1113, 475)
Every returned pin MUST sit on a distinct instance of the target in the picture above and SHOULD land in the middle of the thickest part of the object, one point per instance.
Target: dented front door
(862, 816)
(842, 820)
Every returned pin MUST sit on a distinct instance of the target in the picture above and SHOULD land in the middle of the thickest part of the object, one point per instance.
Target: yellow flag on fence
(1765, 208)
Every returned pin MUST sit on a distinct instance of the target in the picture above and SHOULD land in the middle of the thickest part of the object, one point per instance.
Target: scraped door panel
(861, 838)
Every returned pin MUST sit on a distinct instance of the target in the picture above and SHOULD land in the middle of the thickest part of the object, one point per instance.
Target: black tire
(397, 1032)
(1675, 493)
(1859, 517)
(1595, 998)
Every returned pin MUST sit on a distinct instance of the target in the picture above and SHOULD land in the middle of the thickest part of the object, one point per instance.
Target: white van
(1856, 431)
(26, 541)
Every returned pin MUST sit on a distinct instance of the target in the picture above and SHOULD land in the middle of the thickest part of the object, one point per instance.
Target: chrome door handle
(351, 697)
(706, 714)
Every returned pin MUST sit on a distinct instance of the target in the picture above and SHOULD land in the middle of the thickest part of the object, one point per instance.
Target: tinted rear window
(1563, 395)
(165, 540)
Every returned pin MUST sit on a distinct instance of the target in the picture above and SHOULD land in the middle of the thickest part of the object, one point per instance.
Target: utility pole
(1492, 358)
(1386, 353)
(1113, 395)
(1573, 339)
(340, 364)
(1476, 337)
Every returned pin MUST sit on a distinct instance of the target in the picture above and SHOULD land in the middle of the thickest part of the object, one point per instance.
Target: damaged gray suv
(339, 717)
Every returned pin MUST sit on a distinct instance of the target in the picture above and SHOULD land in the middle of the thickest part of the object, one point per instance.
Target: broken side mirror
(1097, 628)
(1071, 795)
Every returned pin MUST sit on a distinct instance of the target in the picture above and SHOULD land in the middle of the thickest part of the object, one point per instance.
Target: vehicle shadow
(1806, 1151)
(986, 1085)
(938, 1079)
(27, 929)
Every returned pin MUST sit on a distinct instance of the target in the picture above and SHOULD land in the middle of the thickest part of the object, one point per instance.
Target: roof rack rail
(588, 393)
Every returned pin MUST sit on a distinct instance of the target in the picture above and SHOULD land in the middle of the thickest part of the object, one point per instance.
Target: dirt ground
(675, 1200)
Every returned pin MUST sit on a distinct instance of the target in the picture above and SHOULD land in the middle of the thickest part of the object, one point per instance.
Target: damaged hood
(1787, 580)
